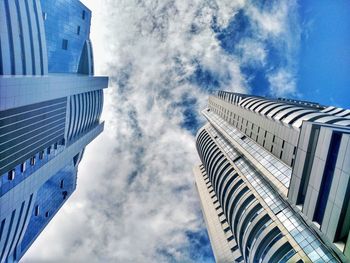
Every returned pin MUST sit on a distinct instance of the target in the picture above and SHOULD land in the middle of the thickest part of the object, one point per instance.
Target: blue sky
(324, 59)
(136, 200)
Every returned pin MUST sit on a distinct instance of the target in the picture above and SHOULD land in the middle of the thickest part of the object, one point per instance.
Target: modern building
(50, 108)
(274, 179)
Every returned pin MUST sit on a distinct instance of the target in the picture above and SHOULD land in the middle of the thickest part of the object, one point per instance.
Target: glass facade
(257, 162)
(27, 130)
(64, 42)
(49, 198)
(50, 109)
(275, 203)
(276, 167)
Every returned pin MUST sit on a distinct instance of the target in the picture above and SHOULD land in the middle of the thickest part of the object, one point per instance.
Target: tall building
(50, 107)
(274, 179)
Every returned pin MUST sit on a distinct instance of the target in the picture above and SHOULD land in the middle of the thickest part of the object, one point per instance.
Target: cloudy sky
(135, 200)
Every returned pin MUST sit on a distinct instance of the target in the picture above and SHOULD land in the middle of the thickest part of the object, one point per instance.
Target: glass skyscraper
(274, 179)
(50, 108)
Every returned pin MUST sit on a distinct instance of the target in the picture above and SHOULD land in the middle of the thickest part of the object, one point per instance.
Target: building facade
(274, 179)
(50, 108)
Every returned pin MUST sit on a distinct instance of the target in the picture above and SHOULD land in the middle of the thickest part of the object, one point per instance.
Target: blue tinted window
(60, 17)
(49, 199)
(327, 177)
(65, 44)
(264, 245)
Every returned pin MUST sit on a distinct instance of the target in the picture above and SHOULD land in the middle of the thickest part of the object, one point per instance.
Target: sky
(136, 200)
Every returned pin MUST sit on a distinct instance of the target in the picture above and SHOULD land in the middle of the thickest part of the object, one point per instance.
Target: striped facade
(279, 169)
(27, 130)
(220, 234)
(22, 38)
(46, 119)
(84, 112)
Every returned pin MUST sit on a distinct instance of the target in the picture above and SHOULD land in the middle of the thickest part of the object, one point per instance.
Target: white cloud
(282, 82)
(135, 197)
(278, 23)
(253, 52)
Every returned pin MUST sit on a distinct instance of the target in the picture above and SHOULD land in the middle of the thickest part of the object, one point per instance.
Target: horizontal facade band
(21, 91)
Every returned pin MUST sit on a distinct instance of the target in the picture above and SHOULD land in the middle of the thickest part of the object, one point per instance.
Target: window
(11, 175)
(47, 214)
(253, 213)
(270, 245)
(245, 204)
(327, 177)
(49, 150)
(76, 159)
(236, 197)
(23, 167)
(240, 259)
(226, 229)
(343, 227)
(44, 16)
(78, 30)
(309, 160)
(2, 226)
(32, 161)
(230, 238)
(41, 155)
(83, 14)
(273, 236)
(64, 44)
(36, 210)
(264, 222)
(284, 254)
(55, 146)
(62, 183)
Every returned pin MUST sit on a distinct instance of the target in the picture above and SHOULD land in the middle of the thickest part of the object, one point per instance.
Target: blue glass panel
(49, 199)
(64, 42)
